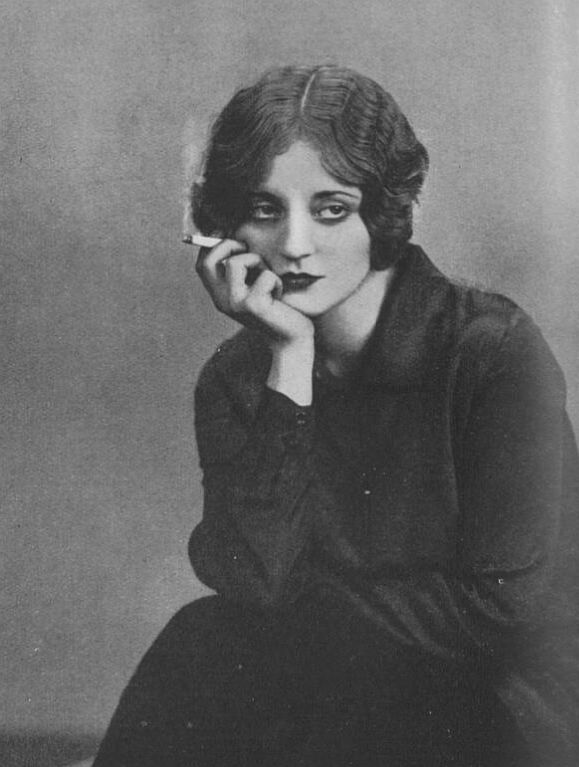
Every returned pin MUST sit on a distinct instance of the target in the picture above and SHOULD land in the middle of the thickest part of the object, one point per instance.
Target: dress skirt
(310, 687)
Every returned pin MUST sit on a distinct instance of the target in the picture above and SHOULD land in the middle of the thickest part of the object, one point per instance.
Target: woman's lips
(292, 283)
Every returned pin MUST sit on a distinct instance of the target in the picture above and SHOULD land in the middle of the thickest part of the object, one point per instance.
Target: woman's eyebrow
(334, 192)
(263, 193)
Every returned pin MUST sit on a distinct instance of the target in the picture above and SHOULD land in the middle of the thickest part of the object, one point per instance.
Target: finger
(267, 288)
(209, 258)
(236, 274)
(268, 283)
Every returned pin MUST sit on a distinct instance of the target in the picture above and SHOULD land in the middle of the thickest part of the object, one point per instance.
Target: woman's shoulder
(496, 335)
(485, 316)
(464, 306)
(434, 318)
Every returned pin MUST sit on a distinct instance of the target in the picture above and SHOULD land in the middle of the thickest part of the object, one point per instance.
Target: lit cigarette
(201, 241)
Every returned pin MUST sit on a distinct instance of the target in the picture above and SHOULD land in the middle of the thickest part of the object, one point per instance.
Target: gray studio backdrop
(104, 327)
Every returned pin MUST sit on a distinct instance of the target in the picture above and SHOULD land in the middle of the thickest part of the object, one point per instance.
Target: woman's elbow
(231, 576)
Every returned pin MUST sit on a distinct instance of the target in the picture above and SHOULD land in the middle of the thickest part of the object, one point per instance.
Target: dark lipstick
(292, 283)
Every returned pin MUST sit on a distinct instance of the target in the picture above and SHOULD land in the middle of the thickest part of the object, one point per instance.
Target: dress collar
(411, 332)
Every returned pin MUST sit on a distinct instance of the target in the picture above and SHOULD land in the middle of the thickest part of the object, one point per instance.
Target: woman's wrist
(291, 370)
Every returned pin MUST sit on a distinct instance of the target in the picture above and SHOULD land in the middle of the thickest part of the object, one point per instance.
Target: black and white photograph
(289, 383)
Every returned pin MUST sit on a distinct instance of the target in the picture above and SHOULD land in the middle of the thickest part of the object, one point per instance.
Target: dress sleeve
(255, 474)
(501, 588)
(508, 609)
(510, 475)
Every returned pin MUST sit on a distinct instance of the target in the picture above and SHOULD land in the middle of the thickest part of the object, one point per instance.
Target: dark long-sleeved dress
(397, 565)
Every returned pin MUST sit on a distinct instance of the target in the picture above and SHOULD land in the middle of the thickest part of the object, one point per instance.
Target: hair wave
(361, 134)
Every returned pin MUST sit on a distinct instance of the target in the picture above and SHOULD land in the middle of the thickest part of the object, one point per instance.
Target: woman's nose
(296, 240)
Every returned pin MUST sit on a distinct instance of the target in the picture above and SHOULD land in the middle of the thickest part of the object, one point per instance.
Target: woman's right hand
(224, 271)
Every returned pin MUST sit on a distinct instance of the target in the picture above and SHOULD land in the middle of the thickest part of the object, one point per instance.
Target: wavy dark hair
(358, 129)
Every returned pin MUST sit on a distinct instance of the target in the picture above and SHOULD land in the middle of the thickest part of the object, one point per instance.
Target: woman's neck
(342, 332)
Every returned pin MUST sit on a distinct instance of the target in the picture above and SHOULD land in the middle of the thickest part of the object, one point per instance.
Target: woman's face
(306, 225)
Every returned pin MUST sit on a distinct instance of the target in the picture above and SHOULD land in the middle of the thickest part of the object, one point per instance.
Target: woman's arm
(256, 469)
(508, 611)
(501, 588)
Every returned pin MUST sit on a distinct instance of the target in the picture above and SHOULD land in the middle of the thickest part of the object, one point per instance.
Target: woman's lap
(199, 685)
(224, 686)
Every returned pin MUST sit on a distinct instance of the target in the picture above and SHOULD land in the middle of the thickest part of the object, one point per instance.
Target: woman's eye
(332, 212)
(263, 211)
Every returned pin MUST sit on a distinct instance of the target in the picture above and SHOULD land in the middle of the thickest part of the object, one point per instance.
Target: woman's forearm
(255, 526)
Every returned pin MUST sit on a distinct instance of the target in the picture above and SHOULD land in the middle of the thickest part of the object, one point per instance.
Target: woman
(390, 477)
